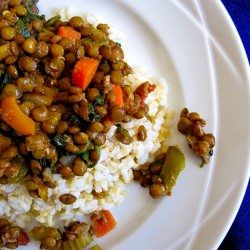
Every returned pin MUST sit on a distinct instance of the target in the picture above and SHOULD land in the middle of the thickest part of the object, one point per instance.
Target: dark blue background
(238, 237)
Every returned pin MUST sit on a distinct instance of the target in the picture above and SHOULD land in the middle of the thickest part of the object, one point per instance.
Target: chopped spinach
(86, 148)
(31, 15)
(211, 152)
(23, 29)
(93, 115)
(97, 149)
(84, 154)
(205, 159)
(100, 99)
(74, 120)
(5, 78)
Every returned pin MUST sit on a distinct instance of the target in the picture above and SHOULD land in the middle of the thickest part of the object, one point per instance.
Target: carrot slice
(68, 32)
(84, 71)
(118, 95)
(104, 224)
(12, 115)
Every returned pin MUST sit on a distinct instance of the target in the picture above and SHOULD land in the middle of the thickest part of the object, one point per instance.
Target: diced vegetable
(118, 95)
(68, 32)
(79, 243)
(104, 224)
(173, 165)
(84, 71)
(13, 116)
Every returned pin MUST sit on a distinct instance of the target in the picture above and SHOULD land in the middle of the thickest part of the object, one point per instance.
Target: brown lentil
(62, 127)
(116, 114)
(40, 113)
(67, 199)
(20, 10)
(157, 190)
(80, 138)
(56, 50)
(73, 129)
(100, 139)
(49, 243)
(94, 155)
(12, 70)
(92, 94)
(71, 147)
(96, 127)
(8, 33)
(79, 168)
(141, 133)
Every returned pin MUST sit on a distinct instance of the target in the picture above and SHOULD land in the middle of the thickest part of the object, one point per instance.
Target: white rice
(110, 174)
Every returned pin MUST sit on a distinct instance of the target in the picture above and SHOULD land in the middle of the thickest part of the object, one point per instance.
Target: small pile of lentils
(191, 125)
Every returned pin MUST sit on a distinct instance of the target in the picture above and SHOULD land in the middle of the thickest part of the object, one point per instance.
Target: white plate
(194, 45)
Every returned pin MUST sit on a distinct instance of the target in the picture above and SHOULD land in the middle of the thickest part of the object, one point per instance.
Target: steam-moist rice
(109, 176)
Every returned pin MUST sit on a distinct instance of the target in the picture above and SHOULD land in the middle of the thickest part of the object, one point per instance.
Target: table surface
(238, 237)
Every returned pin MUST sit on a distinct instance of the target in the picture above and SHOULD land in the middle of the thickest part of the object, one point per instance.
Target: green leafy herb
(118, 44)
(53, 168)
(5, 78)
(31, 15)
(97, 149)
(52, 20)
(93, 115)
(59, 140)
(74, 120)
(67, 153)
(45, 163)
(86, 148)
(84, 154)
(206, 159)
(100, 99)
(23, 29)
(211, 152)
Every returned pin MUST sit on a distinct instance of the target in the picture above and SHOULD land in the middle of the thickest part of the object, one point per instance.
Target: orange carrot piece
(118, 95)
(104, 224)
(84, 71)
(68, 32)
(13, 116)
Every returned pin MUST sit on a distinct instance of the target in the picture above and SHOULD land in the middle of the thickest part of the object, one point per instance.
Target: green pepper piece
(79, 243)
(173, 165)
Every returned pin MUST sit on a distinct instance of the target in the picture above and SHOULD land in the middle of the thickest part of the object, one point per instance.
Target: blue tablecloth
(238, 237)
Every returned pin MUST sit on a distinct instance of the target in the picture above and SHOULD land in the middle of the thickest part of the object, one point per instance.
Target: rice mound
(110, 174)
